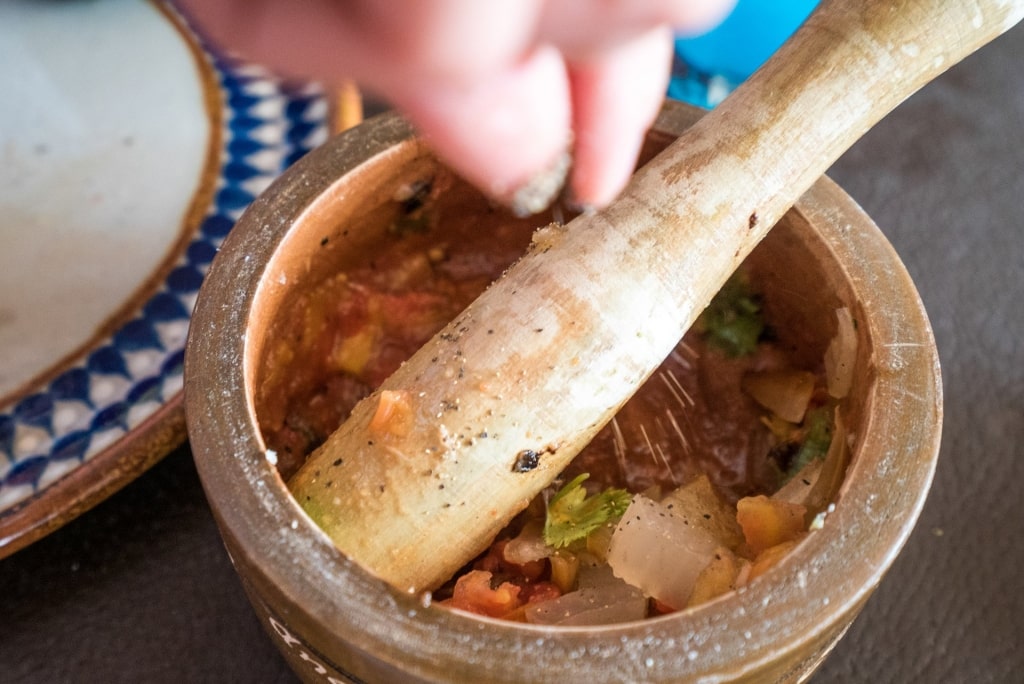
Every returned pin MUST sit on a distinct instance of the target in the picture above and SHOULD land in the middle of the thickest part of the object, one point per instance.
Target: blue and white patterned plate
(128, 153)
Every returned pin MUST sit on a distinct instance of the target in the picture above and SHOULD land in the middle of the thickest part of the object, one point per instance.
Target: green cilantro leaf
(817, 439)
(572, 515)
(732, 321)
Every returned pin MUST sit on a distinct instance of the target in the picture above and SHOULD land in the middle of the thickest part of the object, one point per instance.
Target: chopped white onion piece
(800, 486)
(528, 545)
(601, 599)
(659, 552)
(818, 482)
(785, 392)
(841, 355)
(699, 506)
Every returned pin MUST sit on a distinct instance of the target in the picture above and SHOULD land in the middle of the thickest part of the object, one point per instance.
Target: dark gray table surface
(140, 589)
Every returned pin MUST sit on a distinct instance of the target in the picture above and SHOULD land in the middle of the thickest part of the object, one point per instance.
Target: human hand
(502, 89)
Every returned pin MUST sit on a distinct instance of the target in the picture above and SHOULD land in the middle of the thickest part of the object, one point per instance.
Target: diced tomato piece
(659, 608)
(767, 522)
(473, 593)
(393, 415)
(770, 557)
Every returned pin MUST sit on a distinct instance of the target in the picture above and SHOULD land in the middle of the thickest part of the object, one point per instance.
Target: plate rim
(117, 464)
(213, 106)
(98, 475)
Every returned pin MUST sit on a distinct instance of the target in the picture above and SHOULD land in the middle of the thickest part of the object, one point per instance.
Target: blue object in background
(709, 66)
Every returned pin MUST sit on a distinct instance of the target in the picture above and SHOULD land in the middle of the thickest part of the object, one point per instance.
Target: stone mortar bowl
(333, 621)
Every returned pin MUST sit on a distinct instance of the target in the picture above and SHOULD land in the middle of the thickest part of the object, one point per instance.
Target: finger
(585, 28)
(499, 121)
(308, 39)
(450, 41)
(615, 97)
(499, 132)
(384, 44)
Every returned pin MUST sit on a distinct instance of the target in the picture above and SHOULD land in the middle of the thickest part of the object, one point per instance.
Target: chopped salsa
(706, 478)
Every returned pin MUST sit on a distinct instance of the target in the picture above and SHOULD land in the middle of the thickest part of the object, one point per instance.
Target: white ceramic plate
(128, 151)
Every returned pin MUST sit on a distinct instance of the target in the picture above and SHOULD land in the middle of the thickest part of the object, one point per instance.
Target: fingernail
(542, 189)
(577, 207)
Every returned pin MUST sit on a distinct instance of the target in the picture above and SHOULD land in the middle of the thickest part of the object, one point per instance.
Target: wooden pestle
(430, 467)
